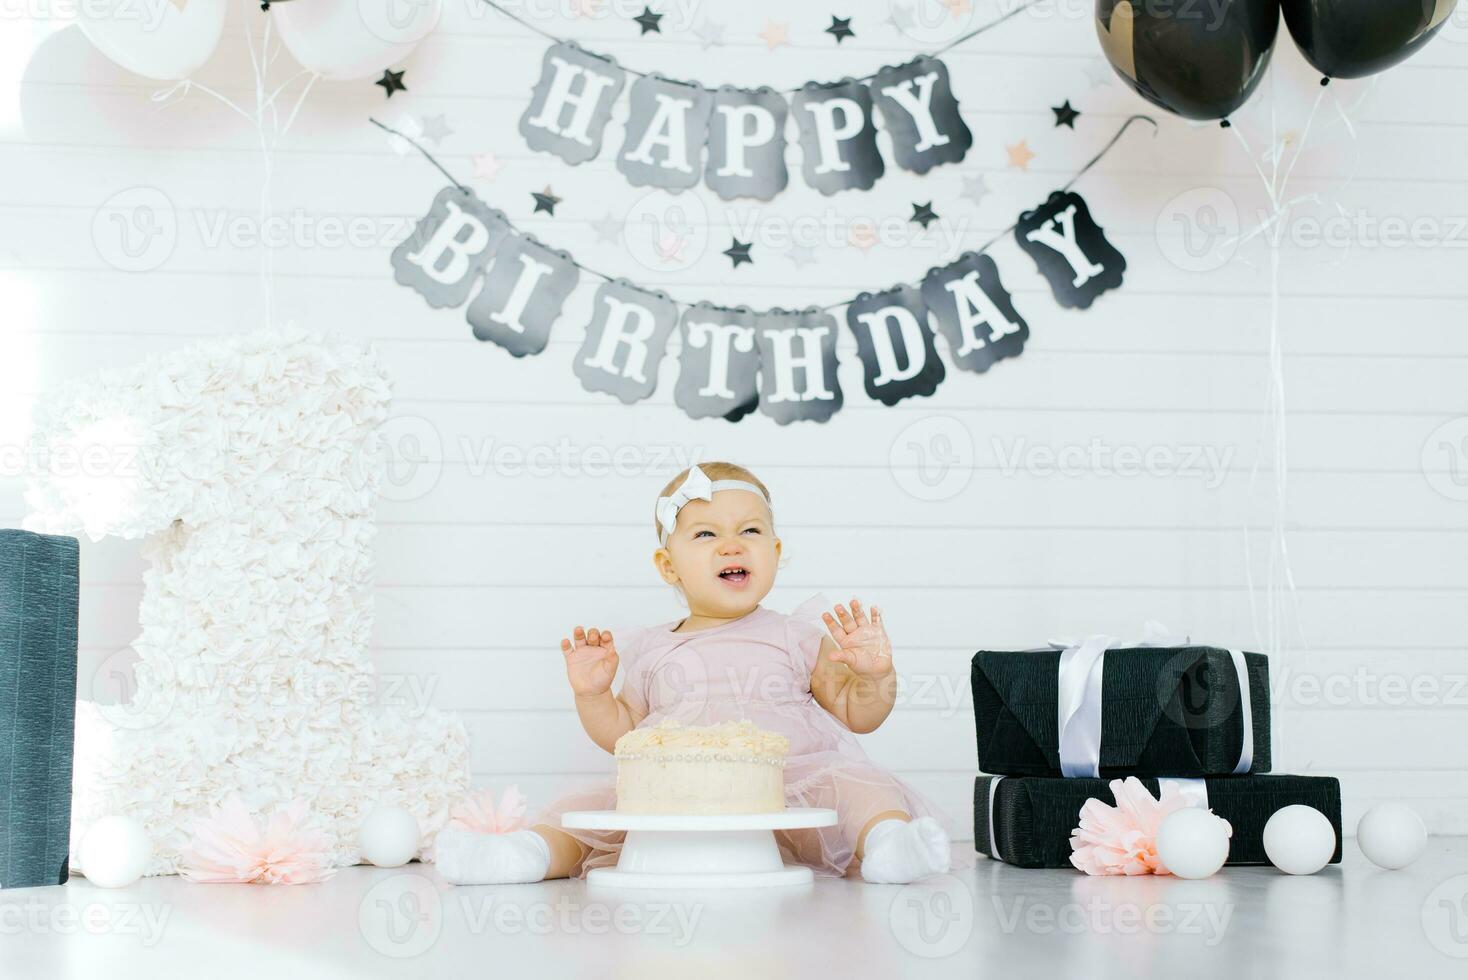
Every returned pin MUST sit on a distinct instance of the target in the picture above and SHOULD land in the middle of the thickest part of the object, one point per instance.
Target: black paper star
(1065, 115)
(391, 81)
(545, 201)
(922, 214)
(739, 252)
(840, 29)
(649, 21)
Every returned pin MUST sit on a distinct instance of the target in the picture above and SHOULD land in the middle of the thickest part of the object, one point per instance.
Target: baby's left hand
(863, 642)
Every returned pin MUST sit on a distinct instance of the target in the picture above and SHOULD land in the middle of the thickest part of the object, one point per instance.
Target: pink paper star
(486, 166)
(1020, 155)
(863, 235)
(775, 34)
(958, 7)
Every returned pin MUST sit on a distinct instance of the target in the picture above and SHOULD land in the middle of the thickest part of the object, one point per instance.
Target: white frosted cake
(732, 767)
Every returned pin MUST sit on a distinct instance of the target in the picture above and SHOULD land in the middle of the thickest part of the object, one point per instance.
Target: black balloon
(1351, 38)
(1199, 60)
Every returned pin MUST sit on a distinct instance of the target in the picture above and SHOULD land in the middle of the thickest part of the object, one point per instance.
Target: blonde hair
(717, 470)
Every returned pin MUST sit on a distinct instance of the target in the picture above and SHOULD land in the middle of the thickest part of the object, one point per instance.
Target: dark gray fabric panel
(38, 627)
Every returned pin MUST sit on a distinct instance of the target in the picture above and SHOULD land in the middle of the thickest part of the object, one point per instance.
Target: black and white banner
(672, 125)
(733, 361)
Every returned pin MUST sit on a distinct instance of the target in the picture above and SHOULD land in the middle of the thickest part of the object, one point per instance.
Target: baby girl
(731, 659)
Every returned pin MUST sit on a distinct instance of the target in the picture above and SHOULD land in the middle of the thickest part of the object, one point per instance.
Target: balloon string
(961, 39)
(833, 306)
(1280, 586)
(260, 63)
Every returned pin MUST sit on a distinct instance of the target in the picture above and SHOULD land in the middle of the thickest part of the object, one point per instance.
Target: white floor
(983, 920)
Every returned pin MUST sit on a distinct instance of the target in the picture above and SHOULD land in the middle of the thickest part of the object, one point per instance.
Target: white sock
(466, 858)
(899, 851)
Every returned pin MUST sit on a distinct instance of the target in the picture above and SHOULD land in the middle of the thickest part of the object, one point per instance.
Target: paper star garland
(545, 201)
(863, 235)
(739, 253)
(436, 128)
(486, 166)
(391, 81)
(840, 28)
(1099, 73)
(1065, 115)
(774, 35)
(923, 214)
(710, 34)
(975, 188)
(1020, 155)
(649, 21)
(608, 229)
(801, 255)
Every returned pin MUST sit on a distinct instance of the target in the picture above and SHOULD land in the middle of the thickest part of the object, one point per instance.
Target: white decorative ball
(1391, 835)
(115, 852)
(1192, 842)
(1299, 840)
(389, 836)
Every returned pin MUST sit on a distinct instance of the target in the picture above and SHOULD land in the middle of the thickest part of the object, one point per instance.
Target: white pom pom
(1299, 840)
(1193, 843)
(1391, 835)
(115, 852)
(389, 836)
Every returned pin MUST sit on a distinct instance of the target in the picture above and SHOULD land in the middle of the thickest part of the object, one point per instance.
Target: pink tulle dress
(758, 668)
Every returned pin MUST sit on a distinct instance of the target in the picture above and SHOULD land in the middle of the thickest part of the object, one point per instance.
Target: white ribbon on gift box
(1079, 703)
(1195, 788)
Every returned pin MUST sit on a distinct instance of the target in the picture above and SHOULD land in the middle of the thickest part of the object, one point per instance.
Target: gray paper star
(608, 229)
(1099, 72)
(900, 18)
(801, 255)
(436, 128)
(975, 188)
(711, 34)
(738, 253)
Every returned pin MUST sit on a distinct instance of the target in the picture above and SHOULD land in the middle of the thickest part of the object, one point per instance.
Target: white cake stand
(715, 851)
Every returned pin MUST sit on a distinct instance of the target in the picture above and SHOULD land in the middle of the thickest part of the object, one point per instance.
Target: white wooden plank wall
(484, 565)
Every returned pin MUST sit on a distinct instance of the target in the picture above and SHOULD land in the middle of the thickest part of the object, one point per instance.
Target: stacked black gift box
(1193, 713)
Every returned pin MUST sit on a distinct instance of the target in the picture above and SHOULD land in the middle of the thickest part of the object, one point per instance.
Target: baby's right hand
(591, 662)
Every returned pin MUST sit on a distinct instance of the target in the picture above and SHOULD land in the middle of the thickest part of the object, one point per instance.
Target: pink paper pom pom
(232, 846)
(1122, 839)
(479, 813)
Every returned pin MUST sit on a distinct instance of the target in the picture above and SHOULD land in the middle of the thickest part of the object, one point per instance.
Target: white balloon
(166, 39)
(115, 852)
(1391, 835)
(351, 39)
(389, 836)
(1192, 842)
(1299, 840)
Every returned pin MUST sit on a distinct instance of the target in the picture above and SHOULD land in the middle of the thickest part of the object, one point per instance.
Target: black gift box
(1167, 711)
(1034, 817)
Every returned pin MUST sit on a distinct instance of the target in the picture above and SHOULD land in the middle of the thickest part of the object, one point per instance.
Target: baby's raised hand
(863, 642)
(591, 662)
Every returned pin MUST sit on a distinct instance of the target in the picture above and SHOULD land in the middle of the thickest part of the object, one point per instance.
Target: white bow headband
(697, 486)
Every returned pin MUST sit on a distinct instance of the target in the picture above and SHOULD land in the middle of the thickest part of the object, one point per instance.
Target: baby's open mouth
(735, 575)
